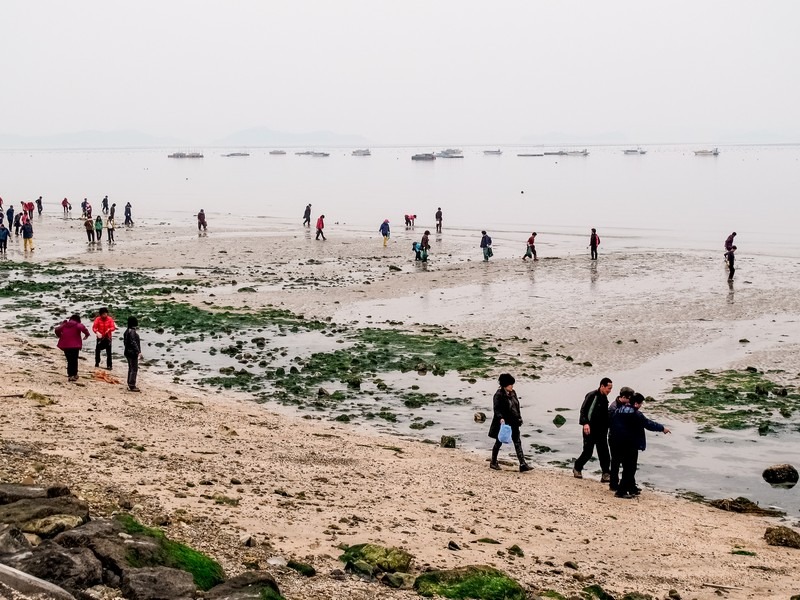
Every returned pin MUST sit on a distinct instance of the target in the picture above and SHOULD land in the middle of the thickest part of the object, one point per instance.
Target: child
(530, 250)
(133, 352)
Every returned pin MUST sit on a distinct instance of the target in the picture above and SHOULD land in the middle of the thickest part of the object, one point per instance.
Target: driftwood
(12, 395)
(743, 505)
(720, 587)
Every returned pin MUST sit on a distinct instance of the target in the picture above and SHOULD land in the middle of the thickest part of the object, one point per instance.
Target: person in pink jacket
(70, 341)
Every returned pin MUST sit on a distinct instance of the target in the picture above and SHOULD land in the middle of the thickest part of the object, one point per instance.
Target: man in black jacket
(594, 420)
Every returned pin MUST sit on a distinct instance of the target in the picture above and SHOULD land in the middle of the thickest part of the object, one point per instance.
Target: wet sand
(346, 484)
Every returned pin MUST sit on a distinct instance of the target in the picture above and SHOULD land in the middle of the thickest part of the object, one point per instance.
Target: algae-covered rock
(398, 580)
(559, 420)
(743, 505)
(597, 592)
(302, 568)
(386, 560)
(782, 536)
(479, 582)
(448, 441)
(784, 475)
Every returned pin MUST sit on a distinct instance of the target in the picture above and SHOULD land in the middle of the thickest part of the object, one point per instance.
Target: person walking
(506, 411)
(729, 242)
(425, 246)
(320, 227)
(70, 341)
(65, 206)
(128, 215)
(530, 248)
(98, 229)
(113, 210)
(88, 209)
(594, 422)
(439, 220)
(10, 215)
(132, 352)
(110, 226)
(201, 221)
(4, 233)
(307, 216)
(103, 327)
(623, 399)
(104, 205)
(17, 223)
(730, 257)
(39, 206)
(486, 245)
(594, 242)
(629, 425)
(88, 224)
(384, 229)
(27, 236)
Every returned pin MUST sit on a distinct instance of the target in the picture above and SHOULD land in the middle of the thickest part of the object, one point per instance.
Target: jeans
(133, 370)
(103, 344)
(599, 439)
(72, 361)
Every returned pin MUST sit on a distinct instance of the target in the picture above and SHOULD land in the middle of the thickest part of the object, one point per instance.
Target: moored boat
(320, 154)
(529, 154)
(714, 152)
(556, 153)
(236, 154)
(634, 151)
(277, 152)
(583, 152)
(177, 155)
(424, 156)
(364, 152)
(497, 152)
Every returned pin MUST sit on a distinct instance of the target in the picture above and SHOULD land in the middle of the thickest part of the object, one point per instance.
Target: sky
(404, 71)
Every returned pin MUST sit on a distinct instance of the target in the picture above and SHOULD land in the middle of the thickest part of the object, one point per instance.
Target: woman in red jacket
(69, 340)
(320, 227)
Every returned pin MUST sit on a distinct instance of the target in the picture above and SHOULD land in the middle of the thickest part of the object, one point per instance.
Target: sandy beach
(213, 468)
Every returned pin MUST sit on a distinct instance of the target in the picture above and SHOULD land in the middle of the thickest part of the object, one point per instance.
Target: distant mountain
(261, 136)
(89, 139)
(558, 137)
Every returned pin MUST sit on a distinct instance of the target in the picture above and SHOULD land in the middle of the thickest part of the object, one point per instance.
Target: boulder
(32, 587)
(158, 583)
(12, 540)
(483, 582)
(250, 585)
(448, 441)
(71, 568)
(479, 417)
(403, 581)
(28, 510)
(380, 559)
(52, 525)
(782, 536)
(11, 492)
(783, 475)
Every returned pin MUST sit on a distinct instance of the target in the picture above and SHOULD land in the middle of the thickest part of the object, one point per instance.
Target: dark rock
(451, 545)
(448, 441)
(338, 574)
(516, 551)
(673, 595)
(16, 584)
(25, 511)
(559, 420)
(323, 392)
(158, 583)
(479, 417)
(12, 540)
(403, 581)
(571, 564)
(247, 586)
(302, 568)
(783, 475)
(71, 568)
(743, 505)
(362, 567)
(782, 536)
(11, 492)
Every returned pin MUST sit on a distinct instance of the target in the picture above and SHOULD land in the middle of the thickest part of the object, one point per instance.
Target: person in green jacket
(98, 229)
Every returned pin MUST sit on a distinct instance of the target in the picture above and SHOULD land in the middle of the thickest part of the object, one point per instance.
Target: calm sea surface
(668, 198)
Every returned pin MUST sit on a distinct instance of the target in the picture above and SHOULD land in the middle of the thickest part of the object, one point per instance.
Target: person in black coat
(506, 409)
(594, 423)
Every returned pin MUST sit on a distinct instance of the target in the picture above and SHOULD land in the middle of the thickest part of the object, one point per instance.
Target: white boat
(634, 151)
(497, 152)
(277, 151)
(714, 152)
(304, 153)
(194, 155)
(450, 153)
(364, 152)
(583, 152)
(424, 156)
(556, 153)
(177, 155)
(320, 154)
(236, 154)
(530, 154)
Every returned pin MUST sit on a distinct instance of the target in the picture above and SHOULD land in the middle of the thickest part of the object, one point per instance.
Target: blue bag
(504, 437)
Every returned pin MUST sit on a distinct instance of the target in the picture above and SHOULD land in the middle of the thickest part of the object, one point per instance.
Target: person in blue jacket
(628, 425)
(486, 245)
(384, 229)
(3, 238)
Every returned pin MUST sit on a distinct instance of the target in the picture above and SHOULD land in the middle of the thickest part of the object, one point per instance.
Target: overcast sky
(405, 71)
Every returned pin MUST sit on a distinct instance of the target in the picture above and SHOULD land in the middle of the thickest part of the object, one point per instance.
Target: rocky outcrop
(157, 583)
(483, 582)
(782, 536)
(73, 569)
(45, 517)
(781, 475)
(250, 585)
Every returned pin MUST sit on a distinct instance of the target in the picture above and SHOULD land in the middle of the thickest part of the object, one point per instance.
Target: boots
(523, 466)
(495, 451)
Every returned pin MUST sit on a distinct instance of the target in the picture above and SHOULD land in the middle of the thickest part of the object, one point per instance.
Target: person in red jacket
(103, 327)
(70, 341)
(320, 227)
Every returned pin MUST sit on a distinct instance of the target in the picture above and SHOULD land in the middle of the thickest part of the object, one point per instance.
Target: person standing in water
(320, 227)
(530, 250)
(39, 206)
(486, 245)
(506, 411)
(384, 229)
(201, 221)
(594, 242)
(731, 258)
(439, 220)
(307, 216)
(128, 213)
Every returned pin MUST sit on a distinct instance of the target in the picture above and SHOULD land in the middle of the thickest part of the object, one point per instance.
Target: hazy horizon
(400, 74)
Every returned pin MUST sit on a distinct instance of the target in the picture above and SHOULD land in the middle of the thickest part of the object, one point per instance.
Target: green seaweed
(206, 572)
(479, 582)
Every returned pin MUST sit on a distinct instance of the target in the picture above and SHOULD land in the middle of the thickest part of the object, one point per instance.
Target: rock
(673, 595)
(52, 525)
(250, 585)
(362, 567)
(571, 564)
(338, 575)
(516, 551)
(302, 568)
(323, 392)
(595, 591)
(743, 505)
(448, 441)
(158, 583)
(11, 492)
(73, 569)
(783, 475)
(12, 540)
(483, 582)
(782, 536)
(27, 510)
(387, 560)
(394, 268)
(479, 417)
(101, 592)
(403, 581)
(247, 540)
(451, 545)
(32, 587)
(559, 420)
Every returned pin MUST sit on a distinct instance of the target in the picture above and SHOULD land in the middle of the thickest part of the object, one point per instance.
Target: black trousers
(133, 370)
(3, 245)
(594, 252)
(72, 361)
(599, 439)
(102, 344)
(320, 233)
(731, 271)
(615, 462)
(110, 235)
(517, 447)
(629, 457)
(307, 221)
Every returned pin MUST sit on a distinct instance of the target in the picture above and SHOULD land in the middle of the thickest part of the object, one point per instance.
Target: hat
(505, 380)
(626, 392)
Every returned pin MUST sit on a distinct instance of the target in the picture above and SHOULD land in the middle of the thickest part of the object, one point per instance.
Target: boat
(450, 153)
(424, 156)
(583, 152)
(634, 151)
(194, 155)
(530, 154)
(497, 152)
(304, 153)
(277, 151)
(320, 154)
(714, 152)
(364, 152)
(236, 154)
(185, 155)
(557, 153)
